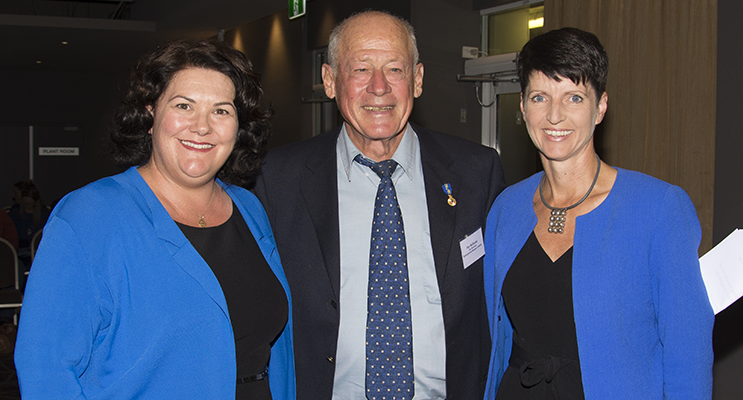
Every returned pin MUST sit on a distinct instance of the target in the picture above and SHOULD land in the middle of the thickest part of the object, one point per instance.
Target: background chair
(35, 239)
(10, 294)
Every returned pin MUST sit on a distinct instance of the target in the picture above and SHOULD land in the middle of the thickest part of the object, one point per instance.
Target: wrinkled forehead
(371, 33)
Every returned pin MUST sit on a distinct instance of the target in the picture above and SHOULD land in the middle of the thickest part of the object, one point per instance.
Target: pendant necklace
(558, 215)
(202, 223)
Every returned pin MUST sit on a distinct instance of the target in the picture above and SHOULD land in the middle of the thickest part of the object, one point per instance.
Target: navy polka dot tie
(389, 340)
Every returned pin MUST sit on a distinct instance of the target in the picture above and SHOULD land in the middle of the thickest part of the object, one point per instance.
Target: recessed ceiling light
(64, 42)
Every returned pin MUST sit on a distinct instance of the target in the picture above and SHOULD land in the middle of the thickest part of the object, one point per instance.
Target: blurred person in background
(7, 229)
(29, 216)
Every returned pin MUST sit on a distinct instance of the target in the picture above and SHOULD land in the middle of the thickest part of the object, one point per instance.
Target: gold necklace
(202, 223)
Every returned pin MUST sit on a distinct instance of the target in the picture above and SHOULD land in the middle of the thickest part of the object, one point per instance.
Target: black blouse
(538, 295)
(257, 304)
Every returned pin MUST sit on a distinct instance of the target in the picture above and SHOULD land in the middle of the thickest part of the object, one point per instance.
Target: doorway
(505, 29)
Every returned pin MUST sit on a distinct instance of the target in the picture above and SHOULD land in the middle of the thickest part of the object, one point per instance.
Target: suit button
(330, 359)
(334, 304)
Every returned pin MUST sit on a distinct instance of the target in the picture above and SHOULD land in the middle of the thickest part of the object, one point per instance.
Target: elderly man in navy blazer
(432, 341)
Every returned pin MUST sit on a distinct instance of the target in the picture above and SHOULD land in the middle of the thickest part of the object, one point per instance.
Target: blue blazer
(119, 305)
(642, 316)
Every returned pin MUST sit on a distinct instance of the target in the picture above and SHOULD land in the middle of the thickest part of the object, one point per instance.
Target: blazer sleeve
(685, 317)
(61, 318)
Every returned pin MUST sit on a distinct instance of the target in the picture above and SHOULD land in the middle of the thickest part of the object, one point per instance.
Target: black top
(538, 296)
(257, 304)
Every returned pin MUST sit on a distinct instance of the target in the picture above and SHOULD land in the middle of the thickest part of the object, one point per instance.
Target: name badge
(473, 248)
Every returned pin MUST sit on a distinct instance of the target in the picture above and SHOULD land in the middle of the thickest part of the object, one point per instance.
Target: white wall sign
(59, 151)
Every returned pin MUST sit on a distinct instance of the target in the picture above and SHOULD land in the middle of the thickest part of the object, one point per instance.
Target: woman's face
(561, 116)
(195, 126)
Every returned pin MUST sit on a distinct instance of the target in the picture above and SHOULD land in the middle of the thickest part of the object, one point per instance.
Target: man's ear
(328, 80)
(418, 81)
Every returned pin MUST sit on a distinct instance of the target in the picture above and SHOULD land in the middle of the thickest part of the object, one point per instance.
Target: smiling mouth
(383, 108)
(556, 133)
(197, 146)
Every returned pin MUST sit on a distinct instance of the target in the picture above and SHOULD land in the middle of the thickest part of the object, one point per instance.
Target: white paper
(473, 248)
(722, 271)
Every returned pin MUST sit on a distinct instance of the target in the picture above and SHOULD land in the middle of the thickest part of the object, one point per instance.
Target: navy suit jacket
(298, 188)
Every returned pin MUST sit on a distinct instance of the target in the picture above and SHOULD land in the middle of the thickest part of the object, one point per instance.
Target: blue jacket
(119, 305)
(642, 316)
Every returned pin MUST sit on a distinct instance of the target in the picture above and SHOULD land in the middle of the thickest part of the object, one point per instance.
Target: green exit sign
(296, 8)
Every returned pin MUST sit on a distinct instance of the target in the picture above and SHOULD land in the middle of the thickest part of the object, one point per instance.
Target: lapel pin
(447, 189)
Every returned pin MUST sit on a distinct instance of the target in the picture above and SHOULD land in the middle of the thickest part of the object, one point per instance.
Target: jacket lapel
(319, 187)
(441, 216)
(183, 253)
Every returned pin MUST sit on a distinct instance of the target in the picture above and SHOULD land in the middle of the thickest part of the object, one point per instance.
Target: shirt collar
(405, 155)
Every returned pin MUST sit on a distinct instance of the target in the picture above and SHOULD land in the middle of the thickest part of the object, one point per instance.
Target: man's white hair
(337, 36)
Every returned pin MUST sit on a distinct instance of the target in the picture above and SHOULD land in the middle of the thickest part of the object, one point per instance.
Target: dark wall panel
(13, 160)
(728, 213)
(55, 100)
(442, 28)
(274, 45)
(729, 140)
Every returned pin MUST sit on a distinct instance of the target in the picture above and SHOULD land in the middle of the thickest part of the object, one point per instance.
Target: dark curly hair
(568, 52)
(132, 144)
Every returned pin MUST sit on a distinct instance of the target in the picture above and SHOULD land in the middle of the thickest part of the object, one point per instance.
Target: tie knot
(383, 168)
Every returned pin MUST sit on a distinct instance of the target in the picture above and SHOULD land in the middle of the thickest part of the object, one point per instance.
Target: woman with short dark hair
(592, 274)
(164, 281)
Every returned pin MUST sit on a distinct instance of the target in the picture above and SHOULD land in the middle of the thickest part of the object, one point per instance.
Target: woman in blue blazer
(592, 274)
(164, 281)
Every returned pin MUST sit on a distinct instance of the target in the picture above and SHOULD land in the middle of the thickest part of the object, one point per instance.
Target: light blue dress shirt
(357, 189)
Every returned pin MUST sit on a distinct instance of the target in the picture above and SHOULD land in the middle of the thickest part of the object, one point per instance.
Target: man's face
(375, 82)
